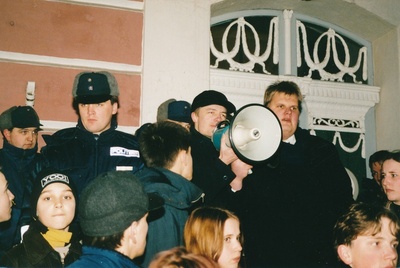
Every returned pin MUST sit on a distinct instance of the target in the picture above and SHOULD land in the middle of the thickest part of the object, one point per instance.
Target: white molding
(120, 4)
(323, 99)
(53, 126)
(22, 58)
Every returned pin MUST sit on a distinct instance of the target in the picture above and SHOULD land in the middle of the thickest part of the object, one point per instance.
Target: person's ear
(344, 253)
(114, 107)
(131, 232)
(184, 157)
(194, 117)
(7, 134)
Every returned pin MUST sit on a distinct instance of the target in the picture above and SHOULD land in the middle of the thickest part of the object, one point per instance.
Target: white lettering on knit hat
(121, 151)
(54, 177)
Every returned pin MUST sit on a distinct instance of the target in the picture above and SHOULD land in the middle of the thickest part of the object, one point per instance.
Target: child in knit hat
(49, 241)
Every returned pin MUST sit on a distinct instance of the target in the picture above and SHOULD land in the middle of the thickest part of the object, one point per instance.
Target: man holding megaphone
(218, 173)
(292, 201)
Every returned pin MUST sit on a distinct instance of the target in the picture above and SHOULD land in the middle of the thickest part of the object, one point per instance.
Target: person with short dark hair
(371, 189)
(113, 212)
(50, 241)
(20, 163)
(94, 146)
(292, 201)
(165, 148)
(367, 236)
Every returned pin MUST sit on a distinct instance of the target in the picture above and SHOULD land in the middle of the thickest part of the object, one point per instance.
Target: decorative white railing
(337, 107)
(316, 64)
(241, 40)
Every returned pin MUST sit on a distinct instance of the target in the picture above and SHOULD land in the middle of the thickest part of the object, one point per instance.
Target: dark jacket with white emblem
(84, 155)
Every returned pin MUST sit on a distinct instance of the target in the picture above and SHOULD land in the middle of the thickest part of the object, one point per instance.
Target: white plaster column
(176, 52)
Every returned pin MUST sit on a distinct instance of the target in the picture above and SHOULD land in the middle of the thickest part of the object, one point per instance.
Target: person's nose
(90, 109)
(30, 136)
(10, 195)
(288, 111)
(58, 203)
(390, 253)
(384, 180)
(237, 246)
(219, 118)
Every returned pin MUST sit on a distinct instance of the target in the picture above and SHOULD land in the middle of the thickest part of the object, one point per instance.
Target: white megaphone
(254, 133)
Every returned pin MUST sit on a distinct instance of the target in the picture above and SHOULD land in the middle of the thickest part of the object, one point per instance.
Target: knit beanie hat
(112, 201)
(46, 177)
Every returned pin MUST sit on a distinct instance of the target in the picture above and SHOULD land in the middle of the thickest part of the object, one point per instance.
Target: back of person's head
(362, 219)
(110, 204)
(286, 87)
(161, 142)
(378, 157)
(204, 231)
(178, 257)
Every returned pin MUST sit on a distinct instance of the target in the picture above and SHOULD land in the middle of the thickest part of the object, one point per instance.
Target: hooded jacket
(166, 225)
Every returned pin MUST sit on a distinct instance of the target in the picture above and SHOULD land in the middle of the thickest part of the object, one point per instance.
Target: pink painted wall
(73, 31)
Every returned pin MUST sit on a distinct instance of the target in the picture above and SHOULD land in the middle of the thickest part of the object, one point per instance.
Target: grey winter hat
(20, 117)
(94, 87)
(173, 109)
(112, 201)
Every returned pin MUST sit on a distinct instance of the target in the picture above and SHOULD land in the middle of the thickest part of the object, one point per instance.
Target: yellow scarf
(57, 238)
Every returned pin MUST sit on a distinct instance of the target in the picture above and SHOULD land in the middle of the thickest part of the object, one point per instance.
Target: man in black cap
(94, 146)
(20, 163)
(218, 173)
(113, 213)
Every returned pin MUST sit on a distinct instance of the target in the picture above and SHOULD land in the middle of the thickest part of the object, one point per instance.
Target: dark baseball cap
(209, 97)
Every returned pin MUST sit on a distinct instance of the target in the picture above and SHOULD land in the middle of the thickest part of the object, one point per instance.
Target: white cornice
(22, 58)
(118, 4)
(329, 100)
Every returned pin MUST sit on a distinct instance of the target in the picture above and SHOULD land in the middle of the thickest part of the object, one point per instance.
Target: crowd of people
(94, 196)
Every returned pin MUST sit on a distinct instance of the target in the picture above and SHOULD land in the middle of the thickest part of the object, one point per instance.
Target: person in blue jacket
(113, 212)
(165, 148)
(94, 146)
(20, 163)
